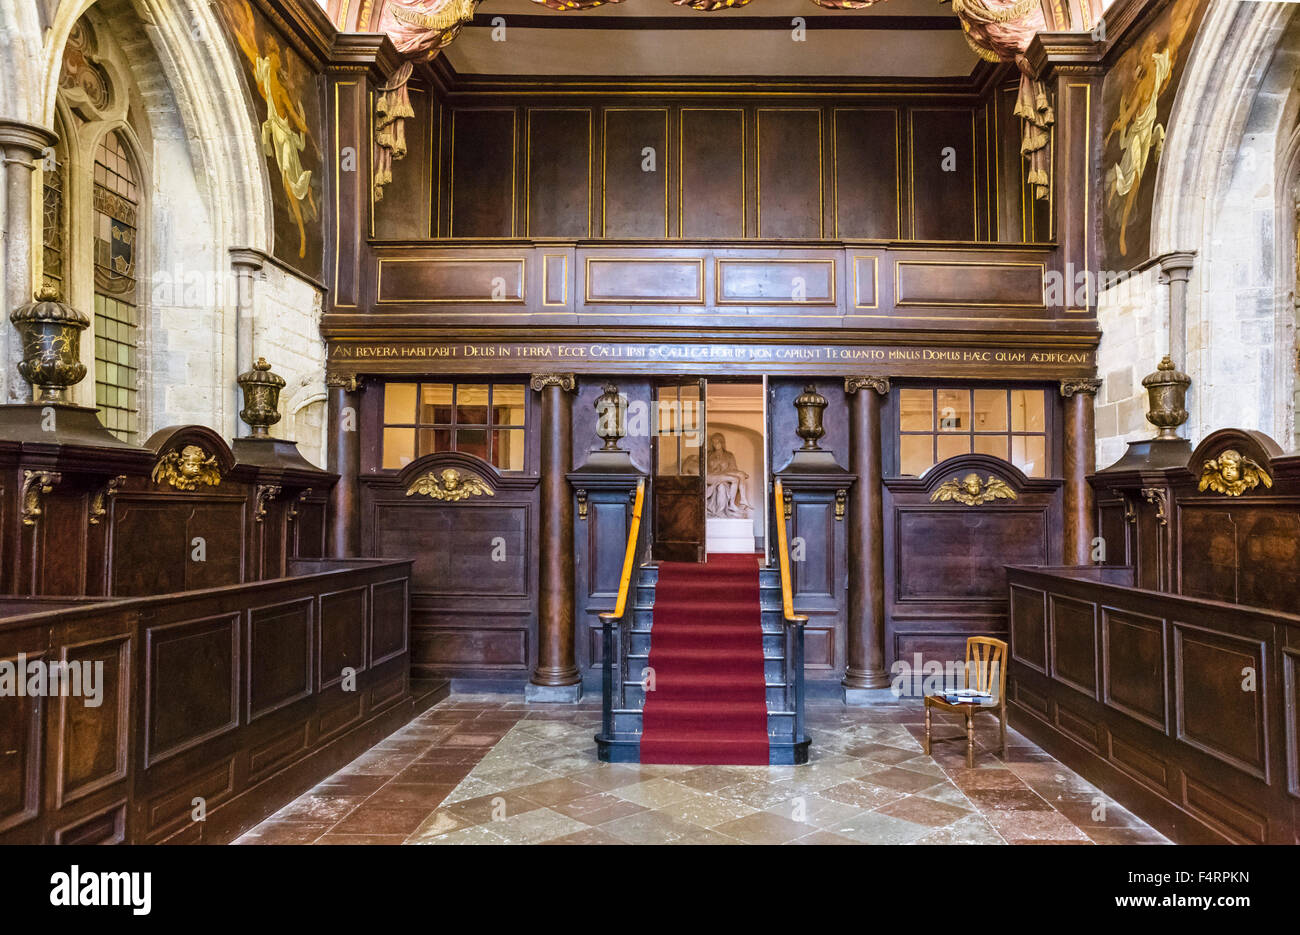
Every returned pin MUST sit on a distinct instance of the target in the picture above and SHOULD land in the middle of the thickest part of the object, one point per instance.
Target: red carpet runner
(706, 649)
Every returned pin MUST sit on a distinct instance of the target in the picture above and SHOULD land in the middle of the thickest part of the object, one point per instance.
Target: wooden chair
(986, 660)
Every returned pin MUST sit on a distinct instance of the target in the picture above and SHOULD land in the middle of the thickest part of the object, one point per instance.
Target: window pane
(508, 404)
(399, 447)
(1028, 454)
(473, 442)
(990, 411)
(995, 445)
(472, 405)
(949, 445)
(917, 454)
(916, 410)
(435, 403)
(1027, 411)
(954, 411)
(433, 440)
(508, 449)
(399, 403)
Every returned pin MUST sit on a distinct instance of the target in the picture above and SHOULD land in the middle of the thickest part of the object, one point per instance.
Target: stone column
(556, 677)
(246, 263)
(866, 546)
(1080, 521)
(343, 437)
(22, 145)
(1176, 270)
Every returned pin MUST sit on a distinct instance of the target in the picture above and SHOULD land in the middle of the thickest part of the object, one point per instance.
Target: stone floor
(489, 769)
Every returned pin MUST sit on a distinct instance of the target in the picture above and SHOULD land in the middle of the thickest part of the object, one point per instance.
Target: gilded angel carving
(187, 468)
(1232, 473)
(451, 485)
(971, 491)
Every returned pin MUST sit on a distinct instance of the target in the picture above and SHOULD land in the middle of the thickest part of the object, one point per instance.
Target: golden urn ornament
(50, 333)
(611, 417)
(971, 491)
(810, 405)
(261, 398)
(1232, 474)
(1167, 391)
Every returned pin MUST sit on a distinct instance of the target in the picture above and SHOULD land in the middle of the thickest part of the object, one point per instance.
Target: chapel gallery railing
(1183, 708)
(188, 717)
(793, 623)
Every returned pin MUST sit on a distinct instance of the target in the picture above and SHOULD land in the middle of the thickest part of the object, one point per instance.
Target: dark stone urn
(261, 398)
(50, 332)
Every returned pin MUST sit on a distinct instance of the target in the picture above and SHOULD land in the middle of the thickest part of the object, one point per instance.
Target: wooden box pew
(217, 706)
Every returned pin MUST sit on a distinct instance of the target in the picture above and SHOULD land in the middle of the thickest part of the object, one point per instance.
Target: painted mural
(1137, 100)
(286, 97)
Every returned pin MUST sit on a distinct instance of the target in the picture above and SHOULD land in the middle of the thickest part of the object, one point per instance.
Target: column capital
(247, 258)
(565, 381)
(30, 137)
(879, 384)
(1176, 266)
(1084, 387)
(345, 381)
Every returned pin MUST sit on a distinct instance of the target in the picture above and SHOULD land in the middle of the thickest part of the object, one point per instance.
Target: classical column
(556, 677)
(22, 144)
(1175, 270)
(1080, 460)
(866, 621)
(246, 263)
(343, 437)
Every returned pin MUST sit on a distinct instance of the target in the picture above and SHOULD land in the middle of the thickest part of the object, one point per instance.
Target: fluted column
(866, 621)
(556, 677)
(343, 438)
(1080, 522)
(22, 145)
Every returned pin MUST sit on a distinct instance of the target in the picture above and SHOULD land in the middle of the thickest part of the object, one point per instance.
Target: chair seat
(938, 701)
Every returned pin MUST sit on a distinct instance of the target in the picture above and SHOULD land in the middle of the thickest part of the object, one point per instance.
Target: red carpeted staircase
(709, 703)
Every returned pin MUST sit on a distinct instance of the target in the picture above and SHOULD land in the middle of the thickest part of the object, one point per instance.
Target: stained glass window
(117, 323)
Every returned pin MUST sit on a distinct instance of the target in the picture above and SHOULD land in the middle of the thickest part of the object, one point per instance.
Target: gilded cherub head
(1232, 473)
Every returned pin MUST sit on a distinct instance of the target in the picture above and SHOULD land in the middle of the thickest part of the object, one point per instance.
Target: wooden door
(679, 472)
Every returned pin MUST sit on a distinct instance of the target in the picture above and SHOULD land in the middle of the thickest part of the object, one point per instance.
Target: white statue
(724, 484)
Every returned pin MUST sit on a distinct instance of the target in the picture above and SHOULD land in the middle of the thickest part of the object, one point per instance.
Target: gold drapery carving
(392, 110)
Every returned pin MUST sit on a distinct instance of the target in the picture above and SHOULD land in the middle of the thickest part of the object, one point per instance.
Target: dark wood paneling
(1133, 663)
(154, 543)
(558, 147)
(635, 200)
(942, 167)
(280, 653)
(483, 167)
(969, 284)
(191, 687)
(711, 194)
(396, 217)
(1215, 712)
(868, 203)
(1073, 642)
(791, 189)
(343, 636)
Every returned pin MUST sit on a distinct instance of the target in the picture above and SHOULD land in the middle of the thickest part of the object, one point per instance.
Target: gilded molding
(1080, 386)
(879, 384)
(291, 513)
(99, 502)
(1158, 497)
(1232, 474)
(971, 492)
(565, 381)
(345, 381)
(450, 485)
(187, 468)
(36, 484)
(841, 503)
(582, 503)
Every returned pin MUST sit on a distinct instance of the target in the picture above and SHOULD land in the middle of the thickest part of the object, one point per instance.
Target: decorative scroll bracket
(36, 484)
(265, 494)
(99, 503)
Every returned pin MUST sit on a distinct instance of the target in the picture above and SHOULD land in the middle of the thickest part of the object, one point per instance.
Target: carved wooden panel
(1241, 553)
(280, 648)
(1134, 665)
(459, 549)
(558, 164)
(488, 278)
(107, 826)
(644, 280)
(191, 683)
(489, 641)
(1215, 712)
(968, 284)
(941, 163)
(711, 192)
(1029, 627)
(154, 544)
(93, 740)
(20, 753)
(1073, 629)
(390, 619)
(868, 203)
(791, 191)
(483, 169)
(776, 282)
(949, 554)
(635, 202)
(343, 634)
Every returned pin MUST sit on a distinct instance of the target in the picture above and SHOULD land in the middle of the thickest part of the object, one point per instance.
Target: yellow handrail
(629, 556)
(783, 559)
